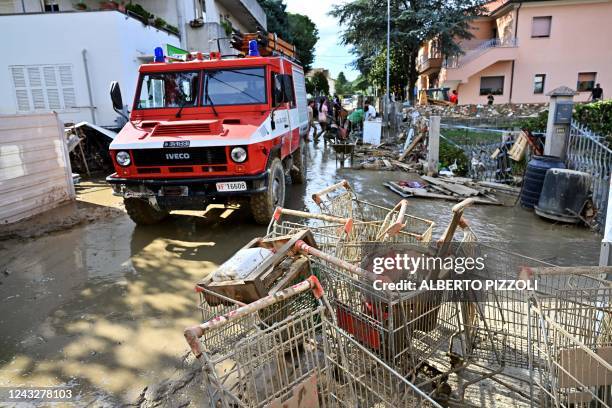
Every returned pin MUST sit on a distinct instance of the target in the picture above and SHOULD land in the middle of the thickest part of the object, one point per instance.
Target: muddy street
(93, 302)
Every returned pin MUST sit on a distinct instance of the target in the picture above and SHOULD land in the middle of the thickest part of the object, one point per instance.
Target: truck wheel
(143, 213)
(298, 172)
(264, 204)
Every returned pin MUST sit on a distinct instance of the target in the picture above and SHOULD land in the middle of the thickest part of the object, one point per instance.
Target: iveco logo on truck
(175, 156)
(213, 129)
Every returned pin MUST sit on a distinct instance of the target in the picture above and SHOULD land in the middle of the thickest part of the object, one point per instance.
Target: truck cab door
(281, 113)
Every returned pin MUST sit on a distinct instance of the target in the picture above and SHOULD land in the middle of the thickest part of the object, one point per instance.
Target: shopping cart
(302, 361)
(345, 237)
(571, 355)
(340, 200)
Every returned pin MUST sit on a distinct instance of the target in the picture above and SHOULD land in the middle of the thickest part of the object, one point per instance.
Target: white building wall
(35, 173)
(113, 43)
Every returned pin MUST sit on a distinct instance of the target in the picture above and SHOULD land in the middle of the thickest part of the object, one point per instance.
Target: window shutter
(46, 87)
(51, 86)
(65, 74)
(21, 89)
(541, 27)
(8, 6)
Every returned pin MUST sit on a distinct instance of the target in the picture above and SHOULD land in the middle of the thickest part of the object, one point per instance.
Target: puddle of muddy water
(103, 305)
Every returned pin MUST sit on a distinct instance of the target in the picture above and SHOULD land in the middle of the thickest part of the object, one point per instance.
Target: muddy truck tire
(143, 213)
(299, 170)
(264, 204)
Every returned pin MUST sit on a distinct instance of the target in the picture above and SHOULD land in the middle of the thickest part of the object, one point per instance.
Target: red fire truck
(211, 129)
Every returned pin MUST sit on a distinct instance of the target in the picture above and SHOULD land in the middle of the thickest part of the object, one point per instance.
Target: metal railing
(586, 153)
(461, 60)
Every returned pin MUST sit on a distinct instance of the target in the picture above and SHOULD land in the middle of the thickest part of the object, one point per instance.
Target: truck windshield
(169, 90)
(234, 86)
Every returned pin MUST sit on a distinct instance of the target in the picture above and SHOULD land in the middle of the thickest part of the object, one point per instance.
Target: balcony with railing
(426, 64)
(482, 56)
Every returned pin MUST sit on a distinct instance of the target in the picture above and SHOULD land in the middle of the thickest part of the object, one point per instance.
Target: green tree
(412, 23)
(297, 29)
(343, 86)
(304, 35)
(277, 17)
(320, 84)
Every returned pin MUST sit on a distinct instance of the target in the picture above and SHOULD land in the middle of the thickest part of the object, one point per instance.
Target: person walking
(311, 120)
(323, 110)
(596, 93)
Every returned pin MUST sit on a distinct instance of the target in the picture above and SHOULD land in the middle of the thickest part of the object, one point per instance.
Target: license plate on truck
(232, 186)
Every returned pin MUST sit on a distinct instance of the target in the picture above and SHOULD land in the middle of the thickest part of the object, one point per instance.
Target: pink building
(523, 49)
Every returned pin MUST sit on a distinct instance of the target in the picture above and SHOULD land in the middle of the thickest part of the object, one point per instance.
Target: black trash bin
(564, 194)
(534, 178)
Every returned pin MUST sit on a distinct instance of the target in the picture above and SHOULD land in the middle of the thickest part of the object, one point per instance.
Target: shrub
(597, 116)
(159, 22)
(172, 28)
(535, 123)
(449, 153)
(138, 9)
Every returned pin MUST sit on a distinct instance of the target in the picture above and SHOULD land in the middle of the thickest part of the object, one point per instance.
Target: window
(51, 6)
(538, 83)
(283, 89)
(492, 85)
(540, 27)
(168, 90)
(586, 81)
(235, 87)
(43, 87)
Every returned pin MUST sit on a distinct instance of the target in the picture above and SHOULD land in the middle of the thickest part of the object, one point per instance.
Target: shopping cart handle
(193, 334)
(304, 248)
(343, 184)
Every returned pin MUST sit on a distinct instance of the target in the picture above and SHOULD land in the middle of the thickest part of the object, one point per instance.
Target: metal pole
(388, 95)
(88, 82)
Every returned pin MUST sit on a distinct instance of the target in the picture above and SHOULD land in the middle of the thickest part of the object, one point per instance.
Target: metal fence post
(433, 146)
(605, 258)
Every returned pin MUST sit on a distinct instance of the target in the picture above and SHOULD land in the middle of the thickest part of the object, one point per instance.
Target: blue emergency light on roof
(253, 49)
(159, 54)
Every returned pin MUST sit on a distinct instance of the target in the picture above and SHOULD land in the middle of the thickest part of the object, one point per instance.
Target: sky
(329, 53)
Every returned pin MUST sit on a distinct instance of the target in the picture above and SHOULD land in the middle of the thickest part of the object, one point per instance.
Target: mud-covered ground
(91, 301)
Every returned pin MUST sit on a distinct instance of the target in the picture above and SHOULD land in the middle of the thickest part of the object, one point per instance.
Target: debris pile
(450, 188)
(471, 111)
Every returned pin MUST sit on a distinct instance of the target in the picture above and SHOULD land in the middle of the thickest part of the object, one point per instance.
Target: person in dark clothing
(490, 99)
(597, 93)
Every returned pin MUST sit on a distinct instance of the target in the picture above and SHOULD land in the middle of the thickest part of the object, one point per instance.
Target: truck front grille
(179, 157)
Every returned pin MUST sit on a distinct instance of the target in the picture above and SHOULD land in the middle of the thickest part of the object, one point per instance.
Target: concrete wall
(113, 44)
(35, 173)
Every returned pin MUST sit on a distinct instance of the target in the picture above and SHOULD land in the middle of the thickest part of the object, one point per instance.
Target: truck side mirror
(115, 94)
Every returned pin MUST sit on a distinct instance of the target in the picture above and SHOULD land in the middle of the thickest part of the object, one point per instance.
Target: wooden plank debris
(440, 192)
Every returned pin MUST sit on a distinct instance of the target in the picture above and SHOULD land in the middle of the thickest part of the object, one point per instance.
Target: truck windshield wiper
(207, 96)
(178, 114)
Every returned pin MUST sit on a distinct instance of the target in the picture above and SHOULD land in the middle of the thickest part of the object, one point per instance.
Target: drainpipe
(181, 23)
(88, 81)
(516, 20)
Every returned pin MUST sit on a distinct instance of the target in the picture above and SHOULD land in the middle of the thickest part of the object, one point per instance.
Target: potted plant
(198, 22)
(109, 5)
(80, 6)
(172, 29)
(159, 23)
(227, 26)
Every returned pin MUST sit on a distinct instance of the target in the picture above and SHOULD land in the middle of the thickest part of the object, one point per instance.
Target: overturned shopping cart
(303, 360)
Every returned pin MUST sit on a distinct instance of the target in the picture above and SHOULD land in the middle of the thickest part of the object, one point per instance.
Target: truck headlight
(238, 154)
(123, 158)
